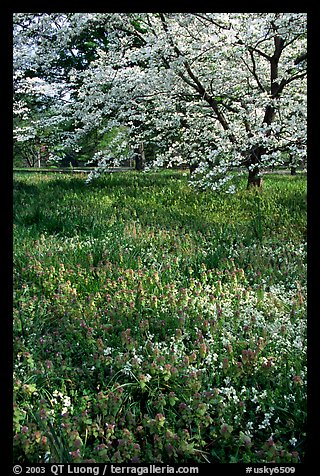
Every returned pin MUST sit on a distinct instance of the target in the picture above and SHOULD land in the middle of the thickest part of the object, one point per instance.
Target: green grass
(156, 324)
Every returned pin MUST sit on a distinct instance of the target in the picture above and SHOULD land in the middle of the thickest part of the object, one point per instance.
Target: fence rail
(87, 170)
(68, 170)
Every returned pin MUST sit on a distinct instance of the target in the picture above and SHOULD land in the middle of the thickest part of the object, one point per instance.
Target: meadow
(154, 324)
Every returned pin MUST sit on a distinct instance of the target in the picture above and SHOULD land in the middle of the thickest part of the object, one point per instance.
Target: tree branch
(300, 58)
(253, 71)
(210, 20)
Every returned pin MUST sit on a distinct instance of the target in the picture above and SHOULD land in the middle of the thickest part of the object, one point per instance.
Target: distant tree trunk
(139, 158)
(293, 171)
(30, 162)
(31, 156)
(192, 167)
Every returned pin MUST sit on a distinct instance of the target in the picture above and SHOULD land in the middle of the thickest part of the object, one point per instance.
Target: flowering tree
(220, 92)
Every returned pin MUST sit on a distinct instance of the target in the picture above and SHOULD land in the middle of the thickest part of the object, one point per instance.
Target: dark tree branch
(253, 71)
(210, 20)
(195, 83)
(256, 50)
(300, 58)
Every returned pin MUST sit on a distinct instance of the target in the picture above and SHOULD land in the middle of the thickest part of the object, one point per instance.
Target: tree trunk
(29, 161)
(293, 171)
(293, 168)
(139, 158)
(192, 167)
(254, 178)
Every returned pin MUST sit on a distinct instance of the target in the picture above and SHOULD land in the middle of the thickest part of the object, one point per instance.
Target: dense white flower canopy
(217, 91)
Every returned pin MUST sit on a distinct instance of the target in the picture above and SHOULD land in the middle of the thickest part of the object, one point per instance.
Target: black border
(313, 235)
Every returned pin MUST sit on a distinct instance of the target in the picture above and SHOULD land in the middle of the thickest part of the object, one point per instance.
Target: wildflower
(297, 379)
(172, 398)
(160, 419)
(225, 364)
(100, 447)
(203, 350)
(225, 430)
(169, 449)
(245, 439)
(75, 454)
(270, 441)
